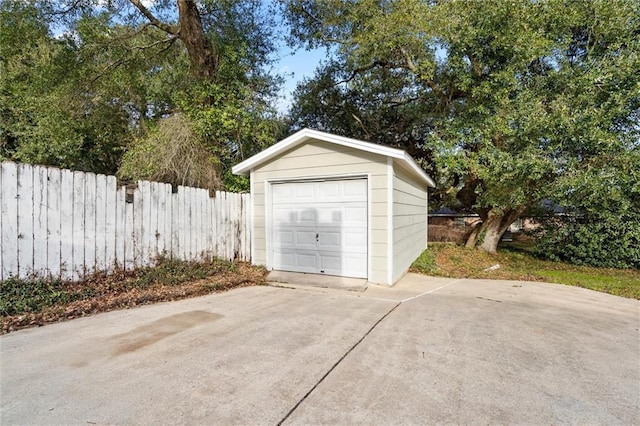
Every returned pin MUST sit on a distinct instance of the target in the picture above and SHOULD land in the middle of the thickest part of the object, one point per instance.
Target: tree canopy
(512, 102)
(83, 82)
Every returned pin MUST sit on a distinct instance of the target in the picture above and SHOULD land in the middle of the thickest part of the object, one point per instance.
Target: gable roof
(305, 135)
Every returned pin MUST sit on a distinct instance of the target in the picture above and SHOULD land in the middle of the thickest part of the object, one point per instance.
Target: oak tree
(511, 100)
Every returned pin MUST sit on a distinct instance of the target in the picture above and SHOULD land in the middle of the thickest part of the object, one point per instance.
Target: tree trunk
(472, 239)
(202, 57)
(493, 230)
(493, 225)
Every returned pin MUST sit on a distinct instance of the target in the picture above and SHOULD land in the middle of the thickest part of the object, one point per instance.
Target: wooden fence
(64, 224)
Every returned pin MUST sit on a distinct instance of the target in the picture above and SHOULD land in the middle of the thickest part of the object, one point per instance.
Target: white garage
(326, 204)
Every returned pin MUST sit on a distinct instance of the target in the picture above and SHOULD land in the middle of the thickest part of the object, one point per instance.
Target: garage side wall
(321, 159)
(409, 221)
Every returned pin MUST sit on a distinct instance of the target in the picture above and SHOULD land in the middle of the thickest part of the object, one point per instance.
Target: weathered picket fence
(65, 224)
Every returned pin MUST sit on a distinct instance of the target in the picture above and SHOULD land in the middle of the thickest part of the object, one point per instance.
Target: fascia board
(303, 135)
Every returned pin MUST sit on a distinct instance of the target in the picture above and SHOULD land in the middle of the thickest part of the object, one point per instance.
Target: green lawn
(451, 260)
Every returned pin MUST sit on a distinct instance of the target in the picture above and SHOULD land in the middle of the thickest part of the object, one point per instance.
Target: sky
(295, 66)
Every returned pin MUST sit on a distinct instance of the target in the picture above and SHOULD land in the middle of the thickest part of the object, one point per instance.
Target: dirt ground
(115, 291)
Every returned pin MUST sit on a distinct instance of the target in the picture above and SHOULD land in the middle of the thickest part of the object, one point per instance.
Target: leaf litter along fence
(67, 224)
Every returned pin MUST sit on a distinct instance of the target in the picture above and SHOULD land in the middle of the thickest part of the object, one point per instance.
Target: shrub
(596, 240)
(173, 153)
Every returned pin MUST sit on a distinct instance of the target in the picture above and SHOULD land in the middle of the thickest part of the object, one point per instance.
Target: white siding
(409, 221)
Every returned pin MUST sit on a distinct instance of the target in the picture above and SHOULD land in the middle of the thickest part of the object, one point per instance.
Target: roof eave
(244, 168)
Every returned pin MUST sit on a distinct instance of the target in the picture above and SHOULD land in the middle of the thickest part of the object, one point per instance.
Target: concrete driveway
(429, 350)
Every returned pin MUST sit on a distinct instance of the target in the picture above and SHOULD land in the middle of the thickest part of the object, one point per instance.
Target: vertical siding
(409, 221)
(321, 159)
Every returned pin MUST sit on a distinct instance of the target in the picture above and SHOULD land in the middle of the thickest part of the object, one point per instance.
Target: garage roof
(305, 135)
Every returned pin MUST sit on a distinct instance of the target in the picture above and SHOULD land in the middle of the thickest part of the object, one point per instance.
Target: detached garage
(326, 204)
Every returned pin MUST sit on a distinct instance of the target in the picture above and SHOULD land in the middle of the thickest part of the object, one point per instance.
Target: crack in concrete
(336, 364)
(333, 367)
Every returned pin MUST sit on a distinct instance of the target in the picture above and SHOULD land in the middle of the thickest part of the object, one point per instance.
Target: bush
(173, 153)
(595, 240)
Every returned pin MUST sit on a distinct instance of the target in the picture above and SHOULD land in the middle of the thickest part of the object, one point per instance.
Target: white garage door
(320, 227)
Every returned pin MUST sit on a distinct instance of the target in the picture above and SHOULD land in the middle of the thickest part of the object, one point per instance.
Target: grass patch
(455, 261)
(426, 263)
(31, 303)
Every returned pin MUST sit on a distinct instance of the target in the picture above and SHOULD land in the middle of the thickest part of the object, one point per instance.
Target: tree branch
(124, 59)
(357, 71)
(361, 125)
(411, 66)
(407, 101)
(169, 40)
(153, 20)
(71, 7)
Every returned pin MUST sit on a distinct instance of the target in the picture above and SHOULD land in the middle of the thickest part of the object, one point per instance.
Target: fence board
(66, 224)
(78, 225)
(53, 222)
(228, 222)
(145, 227)
(101, 222)
(200, 194)
(197, 212)
(9, 210)
(111, 228)
(152, 239)
(25, 221)
(209, 224)
(39, 220)
(191, 223)
(162, 208)
(137, 227)
(175, 219)
(218, 226)
(182, 232)
(121, 236)
(89, 223)
(130, 237)
(168, 235)
(60, 223)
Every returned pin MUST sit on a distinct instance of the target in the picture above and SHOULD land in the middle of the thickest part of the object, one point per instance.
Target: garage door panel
(307, 216)
(353, 263)
(321, 227)
(280, 193)
(355, 241)
(355, 190)
(329, 240)
(305, 238)
(330, 263)
(285, 259)
(329, 214)
(329, 191)
(304, 192)
(282, 237)
(355, 215)
(307, 258)
(283, 215)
